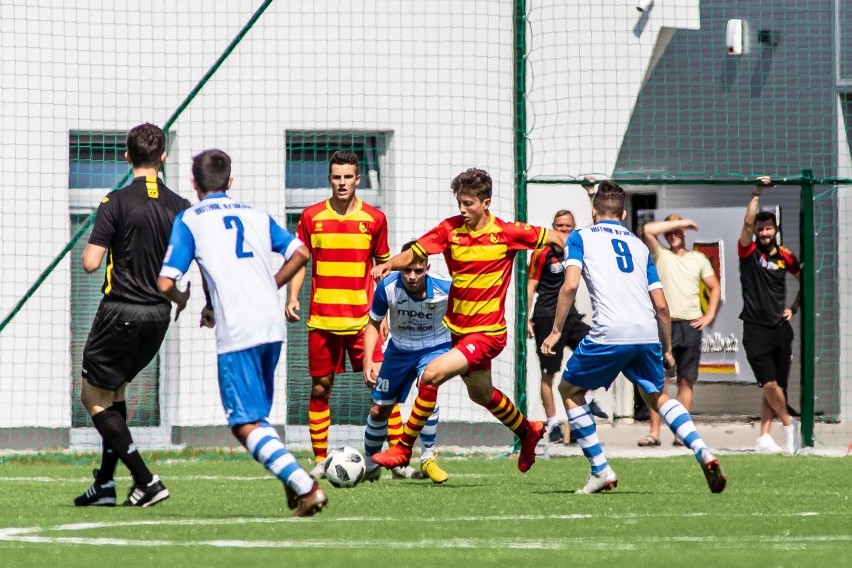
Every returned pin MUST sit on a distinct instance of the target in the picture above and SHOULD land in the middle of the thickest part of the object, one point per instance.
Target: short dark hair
(344, 157)
(408, 245)
(212, 170)
(473, 182)
(763, 216)
(609, 199)
(145, 145)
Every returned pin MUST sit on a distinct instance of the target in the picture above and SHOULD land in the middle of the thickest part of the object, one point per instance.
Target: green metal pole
(210, 72)
(807, 286)
(520, 102)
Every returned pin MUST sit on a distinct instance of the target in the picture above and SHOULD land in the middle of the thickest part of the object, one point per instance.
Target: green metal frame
(808, 303)
(520, 150)
(807, 242)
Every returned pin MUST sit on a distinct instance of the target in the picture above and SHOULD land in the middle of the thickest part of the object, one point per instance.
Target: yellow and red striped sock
(394, 426)
(506, 412)
(421, 410)
(319, 419)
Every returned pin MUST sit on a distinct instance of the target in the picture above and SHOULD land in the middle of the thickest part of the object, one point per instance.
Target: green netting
(538, 92)
(350, 396)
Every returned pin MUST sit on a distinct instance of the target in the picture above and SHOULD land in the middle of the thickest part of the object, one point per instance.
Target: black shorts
(573, 332)
(124, 338)
(686, 349)
(769, 351)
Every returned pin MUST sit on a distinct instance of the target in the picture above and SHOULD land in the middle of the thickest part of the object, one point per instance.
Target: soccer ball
(345, 467)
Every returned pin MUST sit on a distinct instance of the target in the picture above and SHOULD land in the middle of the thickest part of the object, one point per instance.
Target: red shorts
(479, 349)
(327, 352)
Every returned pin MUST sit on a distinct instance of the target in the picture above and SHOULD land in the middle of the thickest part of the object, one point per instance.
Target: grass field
(777, 511)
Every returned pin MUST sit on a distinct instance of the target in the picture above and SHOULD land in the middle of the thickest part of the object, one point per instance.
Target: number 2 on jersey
(624, 259)
(232, 222)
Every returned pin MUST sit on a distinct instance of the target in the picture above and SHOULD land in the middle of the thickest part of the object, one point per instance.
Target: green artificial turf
(776, 511)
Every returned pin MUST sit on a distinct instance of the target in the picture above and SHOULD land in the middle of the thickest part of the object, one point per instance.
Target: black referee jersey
(134, 224)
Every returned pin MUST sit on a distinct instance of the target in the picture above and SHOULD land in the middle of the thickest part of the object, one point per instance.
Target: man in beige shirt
(681, 272)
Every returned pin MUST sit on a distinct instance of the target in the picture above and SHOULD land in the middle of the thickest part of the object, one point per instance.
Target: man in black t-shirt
(767, 333)
(546, 274)
(132, 230)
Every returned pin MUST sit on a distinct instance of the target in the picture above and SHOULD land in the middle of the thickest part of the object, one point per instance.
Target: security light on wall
(644, 5)
(734, 37)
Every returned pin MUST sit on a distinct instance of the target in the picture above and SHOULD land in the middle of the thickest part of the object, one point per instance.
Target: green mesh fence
(539, 93)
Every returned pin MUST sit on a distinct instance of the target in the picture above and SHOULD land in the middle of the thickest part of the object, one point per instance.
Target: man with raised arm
(767, 333)
(682, 272)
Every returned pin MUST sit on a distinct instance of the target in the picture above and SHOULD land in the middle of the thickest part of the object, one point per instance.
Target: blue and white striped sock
(375, 434)
(583, 427)
(269, 451)
(677, 418)
(429, 435)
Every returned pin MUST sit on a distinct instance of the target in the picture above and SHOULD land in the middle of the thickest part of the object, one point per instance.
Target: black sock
(109, 459)
(116, 434)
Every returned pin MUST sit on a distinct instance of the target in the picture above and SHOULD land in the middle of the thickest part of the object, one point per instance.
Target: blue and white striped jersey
(619, 273)
(415, 323)
(232, 244)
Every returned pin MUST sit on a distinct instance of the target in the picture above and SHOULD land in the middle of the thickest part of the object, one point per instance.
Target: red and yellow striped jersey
(342, 251)
(480, 263)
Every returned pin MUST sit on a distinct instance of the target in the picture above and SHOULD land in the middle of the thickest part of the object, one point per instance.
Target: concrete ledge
(34, 438)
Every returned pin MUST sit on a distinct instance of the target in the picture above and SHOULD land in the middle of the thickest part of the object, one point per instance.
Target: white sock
(269, 451)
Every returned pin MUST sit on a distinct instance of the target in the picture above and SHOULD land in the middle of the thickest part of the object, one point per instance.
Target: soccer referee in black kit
(132, 229)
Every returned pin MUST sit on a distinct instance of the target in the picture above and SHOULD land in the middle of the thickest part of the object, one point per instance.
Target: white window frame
(374, 167)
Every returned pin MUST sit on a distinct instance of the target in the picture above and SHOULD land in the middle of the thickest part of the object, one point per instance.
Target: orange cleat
(395, 456)
(531, 437)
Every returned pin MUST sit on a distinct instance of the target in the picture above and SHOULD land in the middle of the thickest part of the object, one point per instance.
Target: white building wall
(844, 248)
(587, 64)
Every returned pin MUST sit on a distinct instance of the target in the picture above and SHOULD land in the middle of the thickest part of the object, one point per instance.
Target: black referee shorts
(124, 338)
(769, 351)
(573, 332)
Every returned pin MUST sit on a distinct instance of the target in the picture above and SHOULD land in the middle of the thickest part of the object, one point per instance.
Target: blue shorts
(595, 365)
(247, 382)
(399, 371)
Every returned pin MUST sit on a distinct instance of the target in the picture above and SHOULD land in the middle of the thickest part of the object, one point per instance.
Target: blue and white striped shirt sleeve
(181, 250)
(653, 278)
(283, 242)
(574, 250)
(380, 300)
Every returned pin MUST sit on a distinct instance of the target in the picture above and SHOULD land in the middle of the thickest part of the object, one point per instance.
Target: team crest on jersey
(318, 226)
(432, 307)
(765, 263)
(362, 227)
(493, 238)
(556, 267)
(455, 238)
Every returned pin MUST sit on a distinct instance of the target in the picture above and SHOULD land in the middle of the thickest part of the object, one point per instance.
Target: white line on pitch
(42, 479)
(29, 535)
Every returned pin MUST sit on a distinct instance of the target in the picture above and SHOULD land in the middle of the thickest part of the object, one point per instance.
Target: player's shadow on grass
(570, 491)
(446, 485)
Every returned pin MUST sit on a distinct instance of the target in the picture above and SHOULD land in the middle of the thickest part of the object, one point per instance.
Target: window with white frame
(96, 165)
(306, 167)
